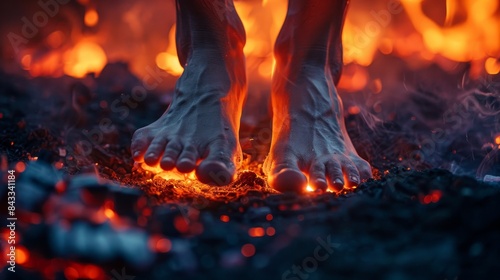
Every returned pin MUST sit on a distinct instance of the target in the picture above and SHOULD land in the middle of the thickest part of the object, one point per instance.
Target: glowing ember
(497, 140)
(248, 250)
(270, 231)
(188, 186)
(160, 244)
(225, 218)
(256, 232)
(432, 197)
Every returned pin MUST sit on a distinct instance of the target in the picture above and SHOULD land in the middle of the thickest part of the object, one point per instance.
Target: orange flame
(84, 58)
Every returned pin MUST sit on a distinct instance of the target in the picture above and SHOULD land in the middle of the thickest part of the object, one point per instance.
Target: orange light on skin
(256, 232)
(309, 188)
(248, 250)
(91, 17)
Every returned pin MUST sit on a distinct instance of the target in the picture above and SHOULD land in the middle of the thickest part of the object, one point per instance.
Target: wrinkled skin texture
(199, 130)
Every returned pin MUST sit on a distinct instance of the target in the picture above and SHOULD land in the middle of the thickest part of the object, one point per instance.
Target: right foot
(199, 130)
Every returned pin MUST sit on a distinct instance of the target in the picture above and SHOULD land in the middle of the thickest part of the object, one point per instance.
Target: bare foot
(310, 142)
(198, 130)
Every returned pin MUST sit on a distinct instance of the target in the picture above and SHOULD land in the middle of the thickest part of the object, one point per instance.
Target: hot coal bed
(84, 210)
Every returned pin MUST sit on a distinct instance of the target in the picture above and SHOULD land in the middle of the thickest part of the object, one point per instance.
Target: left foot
(310, 143)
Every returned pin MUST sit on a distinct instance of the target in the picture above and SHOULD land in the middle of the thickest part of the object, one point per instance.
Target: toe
(218, 167)
(317, 177)
(335, 175)
(364, 168)
(140, 143)
(170, 155)
(287, 177)
(351, 173)
(288, 180)
(155, 151)
(215, 173)
(187, 159)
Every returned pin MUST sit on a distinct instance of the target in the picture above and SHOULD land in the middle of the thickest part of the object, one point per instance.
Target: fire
(473, 39)
(492, 66)
(169, 175)
(459, 31)
(497, 140)
(168, 60)
(84, 58)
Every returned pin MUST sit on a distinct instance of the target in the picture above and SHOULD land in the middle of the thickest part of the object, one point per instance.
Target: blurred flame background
(87, 34)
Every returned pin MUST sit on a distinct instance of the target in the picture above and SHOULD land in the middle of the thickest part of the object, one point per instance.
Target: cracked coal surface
(85, 212)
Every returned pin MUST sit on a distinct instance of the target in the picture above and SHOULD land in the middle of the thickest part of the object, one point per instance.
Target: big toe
(215, 172)
(288, 179)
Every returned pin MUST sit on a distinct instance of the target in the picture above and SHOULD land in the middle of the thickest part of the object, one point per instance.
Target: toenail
(136, 154)
(354, 179)
(168, 159)
(338, 182)
(151, 154)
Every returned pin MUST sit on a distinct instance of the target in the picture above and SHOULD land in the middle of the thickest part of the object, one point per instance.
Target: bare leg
(199, 131)
(310, 142)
